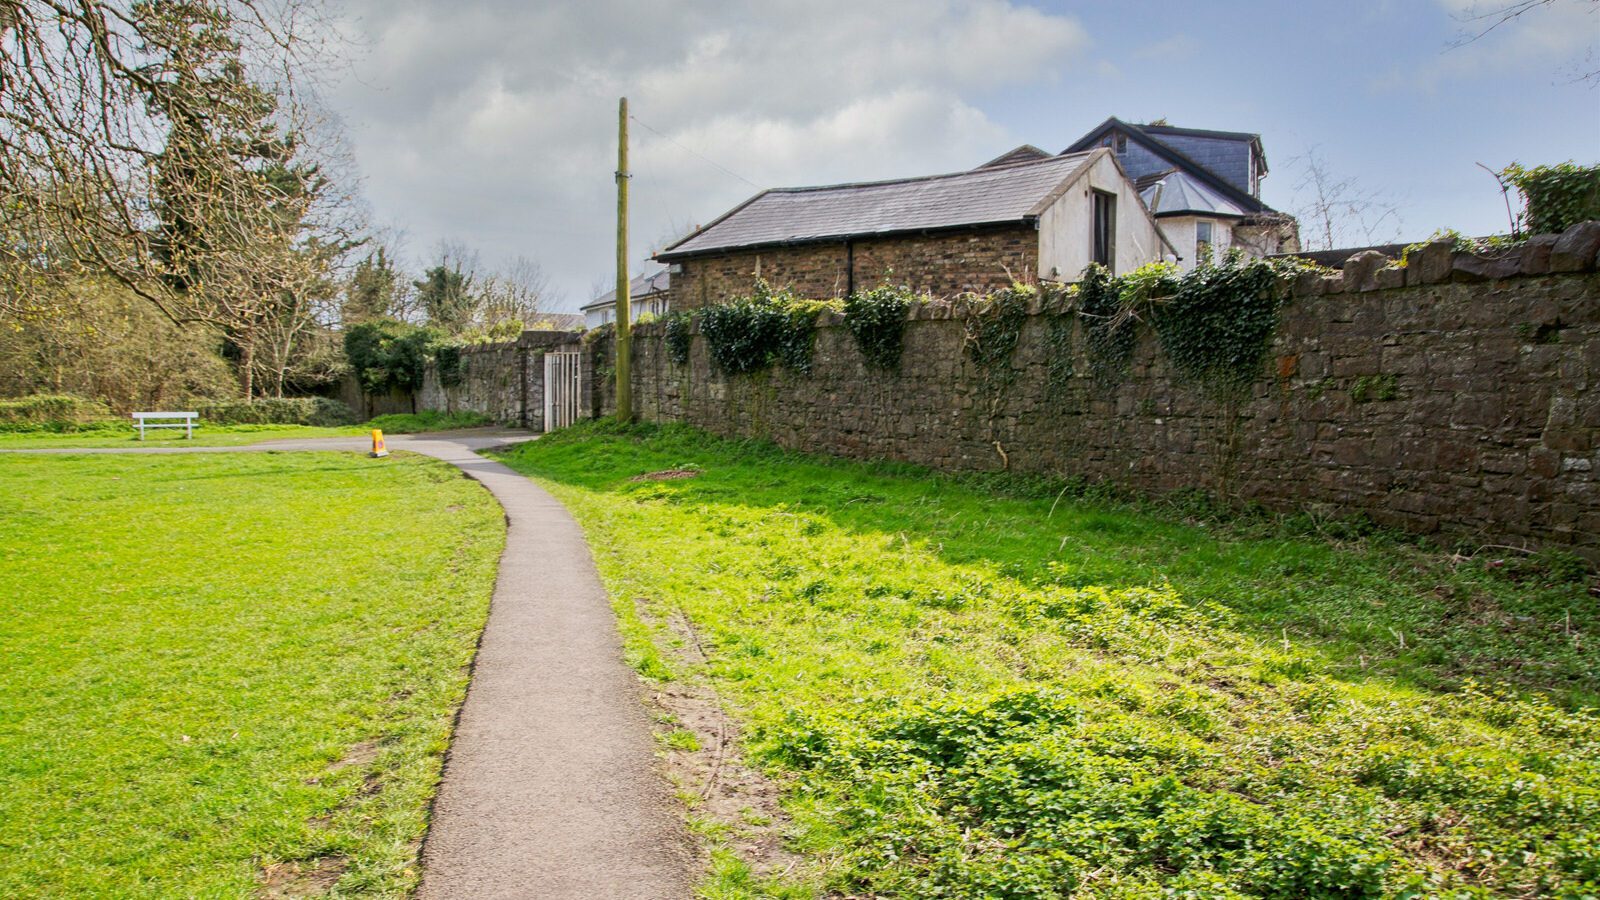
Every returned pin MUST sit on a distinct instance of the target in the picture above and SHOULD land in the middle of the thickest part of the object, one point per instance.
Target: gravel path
(551, 787)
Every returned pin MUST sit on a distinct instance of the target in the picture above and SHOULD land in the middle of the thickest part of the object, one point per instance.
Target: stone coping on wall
(1576, 250)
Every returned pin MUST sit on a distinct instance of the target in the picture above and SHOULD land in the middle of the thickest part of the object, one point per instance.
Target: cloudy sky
(493, 123)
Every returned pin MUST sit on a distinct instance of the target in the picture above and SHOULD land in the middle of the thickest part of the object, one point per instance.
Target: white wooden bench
(184, 420)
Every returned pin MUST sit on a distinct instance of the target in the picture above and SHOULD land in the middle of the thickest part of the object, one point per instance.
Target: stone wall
(504, 381)
(941, 264)
(1459, 394)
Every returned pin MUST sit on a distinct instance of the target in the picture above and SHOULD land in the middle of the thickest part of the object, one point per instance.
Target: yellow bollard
(378, 449)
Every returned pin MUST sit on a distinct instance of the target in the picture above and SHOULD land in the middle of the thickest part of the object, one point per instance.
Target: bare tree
(1481, 22)
(159, 142)
(1339, 212)
(519, 292)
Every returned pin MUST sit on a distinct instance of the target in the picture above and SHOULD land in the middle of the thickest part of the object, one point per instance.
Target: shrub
(390, 356)
(51, 412)
(319, 411)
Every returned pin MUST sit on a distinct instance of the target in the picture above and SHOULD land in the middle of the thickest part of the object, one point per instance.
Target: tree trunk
(247, 366)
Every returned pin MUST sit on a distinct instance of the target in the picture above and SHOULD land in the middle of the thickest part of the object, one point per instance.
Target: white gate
(562, 387)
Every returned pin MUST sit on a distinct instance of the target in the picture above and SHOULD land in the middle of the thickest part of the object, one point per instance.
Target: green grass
(122, 434)
(991, 687)
(428, 420)
(218, 666)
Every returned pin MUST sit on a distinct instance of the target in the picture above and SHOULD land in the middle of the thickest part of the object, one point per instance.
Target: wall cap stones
(1437, 262)
(1576, 249)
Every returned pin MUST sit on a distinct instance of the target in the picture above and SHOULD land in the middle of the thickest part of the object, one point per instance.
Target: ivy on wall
(1218, 320)
(1557, 197)
(447, 361)
(995, 327)
(750, 334)
(1108, 334)
(1214, 322)
(677, 336)
(877, 320)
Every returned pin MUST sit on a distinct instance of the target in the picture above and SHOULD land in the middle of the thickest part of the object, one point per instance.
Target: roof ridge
(1058, 158)
(1200, 132)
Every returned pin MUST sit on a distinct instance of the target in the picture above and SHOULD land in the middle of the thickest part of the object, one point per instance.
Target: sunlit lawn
(989, 687)
(224, 673)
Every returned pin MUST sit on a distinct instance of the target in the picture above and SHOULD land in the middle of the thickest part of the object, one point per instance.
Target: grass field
(230, 675)
(122, 434)
(989, 687)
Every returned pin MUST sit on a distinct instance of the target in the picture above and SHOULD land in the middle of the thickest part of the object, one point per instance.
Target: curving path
(550, 788)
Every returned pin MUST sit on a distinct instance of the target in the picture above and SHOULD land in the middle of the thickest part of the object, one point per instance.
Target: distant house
(1025, 215)
(1204, 187)
(651, 293)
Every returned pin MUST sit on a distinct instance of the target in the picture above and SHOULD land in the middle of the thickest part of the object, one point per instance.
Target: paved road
(551, 788)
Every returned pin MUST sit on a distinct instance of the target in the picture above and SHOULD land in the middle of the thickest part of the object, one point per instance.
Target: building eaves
(979, 198)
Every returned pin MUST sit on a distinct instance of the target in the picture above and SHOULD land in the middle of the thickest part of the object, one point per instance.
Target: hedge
(277, 411)
(51, 412)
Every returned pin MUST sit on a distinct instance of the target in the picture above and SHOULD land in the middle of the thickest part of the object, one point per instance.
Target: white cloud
(494, 122)
(1560, 36)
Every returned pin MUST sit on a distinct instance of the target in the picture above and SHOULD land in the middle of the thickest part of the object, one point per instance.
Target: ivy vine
(677, 337)
(1108, 334)
(1558, 196)
(1216, 322)
(600, 342)
(1058, 344)
(750, 334)
(448, 363)
(995, 327)
(877, 320)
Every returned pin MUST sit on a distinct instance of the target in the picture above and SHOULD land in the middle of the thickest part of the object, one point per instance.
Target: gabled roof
(1025, 153)
(1148, 138)
(998, 195)
(655, 282)
(1176, 192)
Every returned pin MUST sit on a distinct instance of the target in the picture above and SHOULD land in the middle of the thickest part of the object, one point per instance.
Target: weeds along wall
(1460, 393)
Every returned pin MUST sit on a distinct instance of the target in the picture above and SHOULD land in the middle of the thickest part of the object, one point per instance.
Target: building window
(1122, 144)
(1103, 237)
(1202, 242)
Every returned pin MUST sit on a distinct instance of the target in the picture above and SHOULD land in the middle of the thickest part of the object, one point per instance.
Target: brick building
(974, 231)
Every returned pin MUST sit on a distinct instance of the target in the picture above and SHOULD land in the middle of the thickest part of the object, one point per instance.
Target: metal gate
(563, 382)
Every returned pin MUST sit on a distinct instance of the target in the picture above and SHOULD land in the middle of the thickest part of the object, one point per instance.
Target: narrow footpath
(551, 788)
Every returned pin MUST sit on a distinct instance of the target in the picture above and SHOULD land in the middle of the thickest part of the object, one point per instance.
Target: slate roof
(1176, 192)
(641, 286)
(1153, 148)
(989, 196)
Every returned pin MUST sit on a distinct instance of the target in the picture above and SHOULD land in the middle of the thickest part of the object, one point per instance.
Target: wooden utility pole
(624, 299)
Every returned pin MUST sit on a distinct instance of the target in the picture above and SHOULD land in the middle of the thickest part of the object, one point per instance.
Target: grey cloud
(493, 123)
